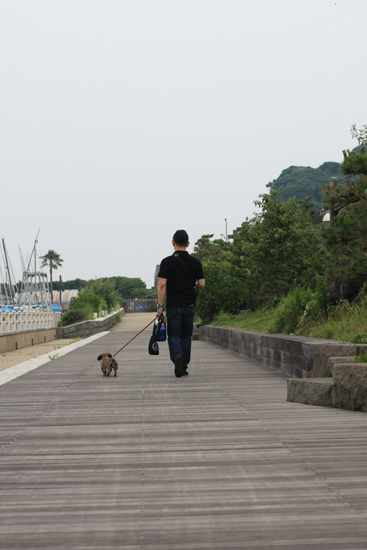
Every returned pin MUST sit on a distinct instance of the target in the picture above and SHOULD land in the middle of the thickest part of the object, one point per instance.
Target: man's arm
(161, 294)
(200, 283)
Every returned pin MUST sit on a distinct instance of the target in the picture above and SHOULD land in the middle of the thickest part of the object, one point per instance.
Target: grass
(345, 323)
(117, 319)
(253, 320)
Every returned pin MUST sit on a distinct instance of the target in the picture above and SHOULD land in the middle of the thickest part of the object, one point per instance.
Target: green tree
(207, 249)
(346, 238)
(53, 260)
(105, 288)
(278, 246)
(223, 290)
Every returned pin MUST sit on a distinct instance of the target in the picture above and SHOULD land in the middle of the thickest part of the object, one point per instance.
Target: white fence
(12, 321)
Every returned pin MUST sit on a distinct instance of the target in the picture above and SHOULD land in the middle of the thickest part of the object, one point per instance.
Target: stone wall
(18, 340)
(295, 356)
(88, 328)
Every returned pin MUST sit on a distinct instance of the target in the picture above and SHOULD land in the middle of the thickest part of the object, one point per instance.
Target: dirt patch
(11, 358)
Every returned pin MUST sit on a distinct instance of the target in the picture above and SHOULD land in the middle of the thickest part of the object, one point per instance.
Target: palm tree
(53, 260)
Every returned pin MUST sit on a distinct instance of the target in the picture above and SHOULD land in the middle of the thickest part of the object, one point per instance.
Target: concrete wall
(295, 356)
(88, 328)
(18, 340)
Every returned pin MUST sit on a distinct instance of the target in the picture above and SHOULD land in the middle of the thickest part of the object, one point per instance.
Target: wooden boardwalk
(215, 460)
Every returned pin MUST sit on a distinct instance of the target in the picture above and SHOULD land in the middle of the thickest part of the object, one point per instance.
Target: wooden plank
(218, 459)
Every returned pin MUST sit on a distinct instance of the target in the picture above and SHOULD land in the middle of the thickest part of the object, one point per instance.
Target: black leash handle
(135, 336)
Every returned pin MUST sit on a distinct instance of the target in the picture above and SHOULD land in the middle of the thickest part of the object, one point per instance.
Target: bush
(104, 289)
(222, 319)
(87, 299)
(291, 308)
(117, 319)
(83, 313)
(223, 291)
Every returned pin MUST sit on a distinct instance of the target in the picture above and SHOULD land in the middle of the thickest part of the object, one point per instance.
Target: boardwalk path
(215, 460)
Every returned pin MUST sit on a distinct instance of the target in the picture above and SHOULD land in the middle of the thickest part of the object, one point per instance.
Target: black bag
(159, 335)
(153, 348)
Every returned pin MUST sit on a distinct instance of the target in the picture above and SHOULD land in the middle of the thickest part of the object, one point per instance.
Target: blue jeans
(180, 321)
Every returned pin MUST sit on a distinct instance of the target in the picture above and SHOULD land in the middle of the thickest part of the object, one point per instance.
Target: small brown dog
(108, 363)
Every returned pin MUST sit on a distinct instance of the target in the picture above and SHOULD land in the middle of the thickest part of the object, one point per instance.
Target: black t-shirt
(181, 289)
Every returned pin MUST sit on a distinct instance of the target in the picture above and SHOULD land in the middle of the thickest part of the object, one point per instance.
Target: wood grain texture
(215, 460)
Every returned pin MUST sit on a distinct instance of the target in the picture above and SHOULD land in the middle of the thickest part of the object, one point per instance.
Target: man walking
(180, 275)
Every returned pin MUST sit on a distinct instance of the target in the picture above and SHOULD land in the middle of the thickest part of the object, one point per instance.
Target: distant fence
(12, 321)
(131, 306)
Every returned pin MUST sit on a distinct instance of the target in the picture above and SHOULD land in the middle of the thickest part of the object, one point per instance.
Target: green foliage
(132, 287)
(207, 249)
(300, 304)
(327, 373)
(222, 291)
(321, 296)
(105, 289)
(53, 260)
(354, 162)
(290, 310)
(117, 319)
(88, 302)
(271, 305)
(87, 299)
(346, 238)
(361, 358)
(342, 322)
(77, 315)
(278, 248)
(223, 288)
(127, 287)
(222, 319)
(251, 320)
(359, 135)
(360, 338)
(302, 181)
(70, 285)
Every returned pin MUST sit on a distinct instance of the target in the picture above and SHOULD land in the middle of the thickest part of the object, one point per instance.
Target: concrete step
(347, 389)
(311, 391)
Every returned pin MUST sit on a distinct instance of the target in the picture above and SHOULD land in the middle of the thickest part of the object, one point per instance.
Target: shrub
(223, 291)
(117, 319)
(291, 308)
(82, 313)
(361, 359)
(222, 319)
(87, 299)
(105, 289)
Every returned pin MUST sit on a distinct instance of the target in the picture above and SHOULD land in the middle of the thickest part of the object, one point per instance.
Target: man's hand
(200, 283)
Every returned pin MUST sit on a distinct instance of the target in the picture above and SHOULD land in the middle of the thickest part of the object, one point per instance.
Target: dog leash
(135, 336)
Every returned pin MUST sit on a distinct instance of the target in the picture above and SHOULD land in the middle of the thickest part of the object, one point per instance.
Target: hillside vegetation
(303, 181)
(294, 275)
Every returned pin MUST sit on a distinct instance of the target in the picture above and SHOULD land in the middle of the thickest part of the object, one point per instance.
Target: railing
(14, 321)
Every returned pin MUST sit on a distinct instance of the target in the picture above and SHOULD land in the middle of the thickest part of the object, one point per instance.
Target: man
(179, 274)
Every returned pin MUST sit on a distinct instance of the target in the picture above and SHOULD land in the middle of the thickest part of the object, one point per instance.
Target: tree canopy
(301, 181)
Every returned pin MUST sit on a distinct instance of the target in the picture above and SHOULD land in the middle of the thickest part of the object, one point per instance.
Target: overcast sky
(122, 121)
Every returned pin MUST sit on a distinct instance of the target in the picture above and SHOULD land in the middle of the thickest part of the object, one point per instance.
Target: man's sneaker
(178, 366)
